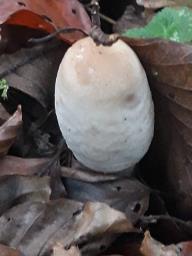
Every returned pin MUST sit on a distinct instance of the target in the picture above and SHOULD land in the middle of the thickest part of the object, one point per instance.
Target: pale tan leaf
(151, 247)
(58, 250)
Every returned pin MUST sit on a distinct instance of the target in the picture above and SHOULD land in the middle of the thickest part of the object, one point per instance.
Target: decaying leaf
(9, 131)
(14, 188)
(151, 247)
(127, 195)
(7, 251)
(10, 165)
(46, 15)
(35, 227)
(168, 66)
(33, 71)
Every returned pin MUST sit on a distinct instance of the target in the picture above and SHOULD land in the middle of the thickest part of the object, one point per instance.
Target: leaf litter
(40, 217)
(46, 16)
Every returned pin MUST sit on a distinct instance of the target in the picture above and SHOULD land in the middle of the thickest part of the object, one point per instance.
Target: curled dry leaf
(35, 227)
(33, 71)
(46, 15)
(151, 247)
(168, 66)
(9, 131)
(7, 251)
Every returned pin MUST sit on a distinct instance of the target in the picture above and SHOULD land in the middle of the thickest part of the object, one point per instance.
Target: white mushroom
(104, 105)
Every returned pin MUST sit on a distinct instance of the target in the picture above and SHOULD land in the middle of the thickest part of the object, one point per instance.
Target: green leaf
(172, 24)
(4, 87)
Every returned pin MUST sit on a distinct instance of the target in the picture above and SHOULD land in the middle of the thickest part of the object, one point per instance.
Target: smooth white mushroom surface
(104, 105)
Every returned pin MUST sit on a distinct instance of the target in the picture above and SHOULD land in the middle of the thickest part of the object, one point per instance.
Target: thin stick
(108, 19)
(52, 35)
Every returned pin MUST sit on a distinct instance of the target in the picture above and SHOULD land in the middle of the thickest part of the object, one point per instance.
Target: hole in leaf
(118, 188)
(21, 4)
(137, 207)
(77, 212)
(74, 11)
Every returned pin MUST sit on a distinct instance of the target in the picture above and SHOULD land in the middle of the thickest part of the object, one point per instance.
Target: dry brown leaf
(169, 69)
(58, 250)
(99, 218)
(33, 71)
(9, 131)
(7, 251)
(127, 195)
(151, 247)
(14, 188)
(35, 227)
(10, 165)
(46, 15)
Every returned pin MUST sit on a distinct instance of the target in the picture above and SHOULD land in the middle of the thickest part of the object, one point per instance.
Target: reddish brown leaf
(46, 15)
(169, 69)
(7, 251)
(9, 131)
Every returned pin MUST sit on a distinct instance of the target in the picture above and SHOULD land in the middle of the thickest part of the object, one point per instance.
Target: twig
(106, 18)
(96, 32)
(57, 32)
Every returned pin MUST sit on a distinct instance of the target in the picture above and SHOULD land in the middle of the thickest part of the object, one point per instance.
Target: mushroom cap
(104, 105)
